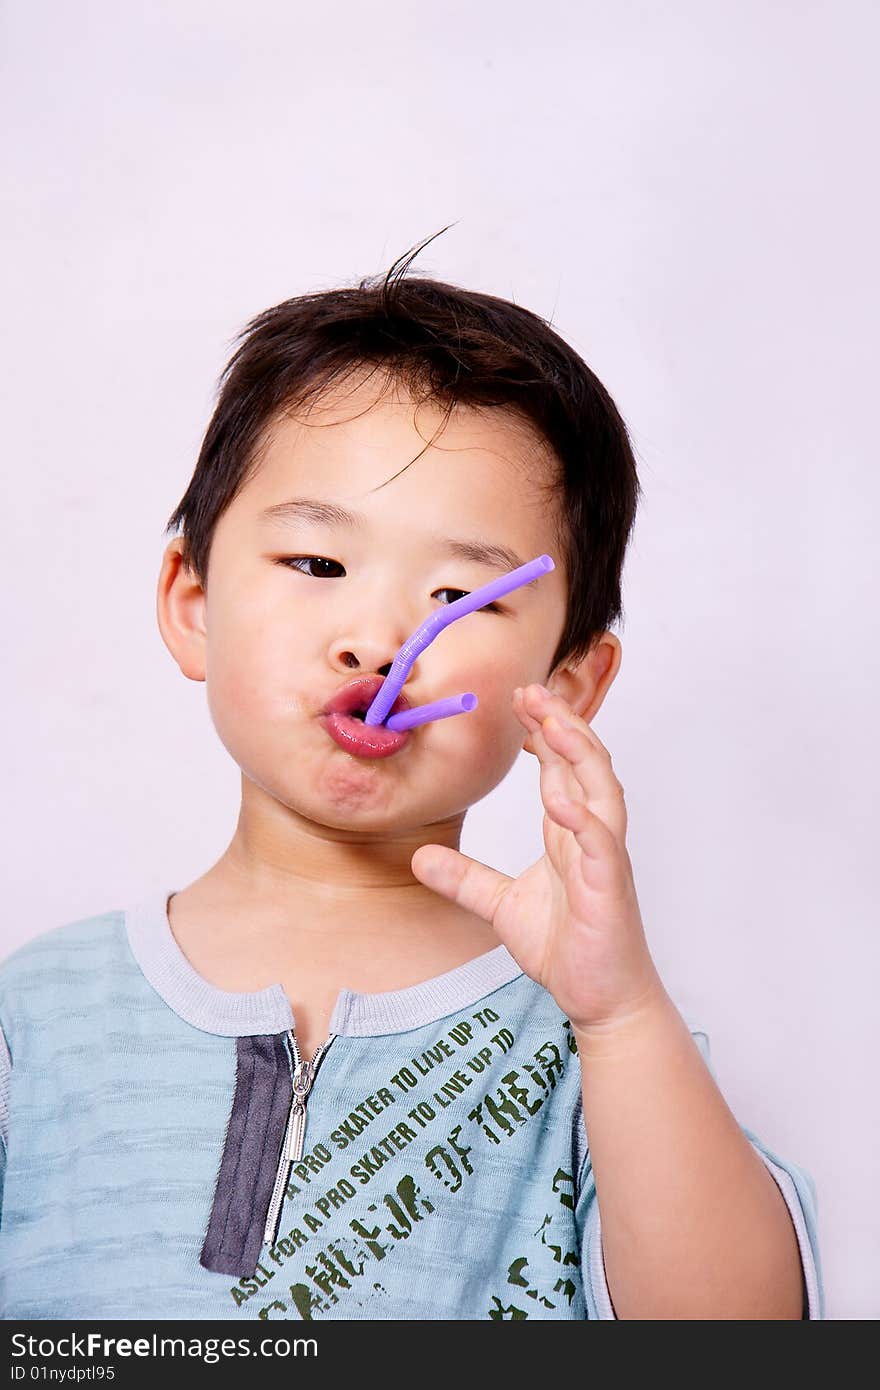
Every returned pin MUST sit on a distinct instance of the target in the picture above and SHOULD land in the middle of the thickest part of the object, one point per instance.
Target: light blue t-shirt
(158, 1165)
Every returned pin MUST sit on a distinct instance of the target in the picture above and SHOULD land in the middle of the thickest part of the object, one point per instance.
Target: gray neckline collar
(250, 1012)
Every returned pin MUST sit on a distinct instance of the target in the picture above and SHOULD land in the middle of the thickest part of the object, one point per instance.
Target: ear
(585, 685)
(180, 612)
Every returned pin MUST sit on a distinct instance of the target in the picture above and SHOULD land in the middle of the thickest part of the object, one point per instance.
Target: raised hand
(571, 920)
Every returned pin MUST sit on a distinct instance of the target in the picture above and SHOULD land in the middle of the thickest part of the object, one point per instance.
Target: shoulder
(61, 945)
(43, 971)
(48, 982)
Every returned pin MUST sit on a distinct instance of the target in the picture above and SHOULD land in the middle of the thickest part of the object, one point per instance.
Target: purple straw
(439, 709)
(423, 637)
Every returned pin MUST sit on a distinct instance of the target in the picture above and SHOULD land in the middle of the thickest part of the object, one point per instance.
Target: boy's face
(274, 642)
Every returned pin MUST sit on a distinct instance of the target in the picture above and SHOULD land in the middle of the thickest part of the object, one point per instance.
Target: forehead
(391, 457)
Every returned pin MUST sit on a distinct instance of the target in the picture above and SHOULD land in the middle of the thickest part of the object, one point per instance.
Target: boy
(347, 1072)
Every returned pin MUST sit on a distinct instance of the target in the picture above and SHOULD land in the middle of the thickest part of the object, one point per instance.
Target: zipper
(304, 1073)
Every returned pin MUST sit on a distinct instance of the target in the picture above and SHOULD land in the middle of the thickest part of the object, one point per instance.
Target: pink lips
(356, 737)
(364, 740)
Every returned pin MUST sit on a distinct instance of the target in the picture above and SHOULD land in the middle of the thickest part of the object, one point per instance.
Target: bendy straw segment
(438, 709)
(425, 634)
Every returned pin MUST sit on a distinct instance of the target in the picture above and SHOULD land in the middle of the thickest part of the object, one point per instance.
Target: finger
(525, 718)
(592, 772)
(593, 836)
(523, 709)
(532, 701)
(464, 881)
(556, 777)
(537, 704)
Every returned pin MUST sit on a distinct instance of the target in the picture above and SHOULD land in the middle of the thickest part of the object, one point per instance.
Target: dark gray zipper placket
(304, 1073)
(255, 1163)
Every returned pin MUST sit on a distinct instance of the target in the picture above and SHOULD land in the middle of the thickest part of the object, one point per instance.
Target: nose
(372, 637)
(367, 658)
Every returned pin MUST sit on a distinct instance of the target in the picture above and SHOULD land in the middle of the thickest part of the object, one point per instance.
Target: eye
(294, 562)
(487, 607)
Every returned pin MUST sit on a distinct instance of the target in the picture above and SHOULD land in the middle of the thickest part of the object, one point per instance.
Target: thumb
(464, 881)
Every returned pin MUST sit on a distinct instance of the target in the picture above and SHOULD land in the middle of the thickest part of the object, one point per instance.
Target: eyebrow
(311, 511)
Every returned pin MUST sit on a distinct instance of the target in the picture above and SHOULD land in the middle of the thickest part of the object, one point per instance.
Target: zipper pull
(296, 1131)
(303, 1076)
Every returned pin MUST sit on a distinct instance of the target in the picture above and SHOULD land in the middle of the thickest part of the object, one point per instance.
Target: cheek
(487, 738)
(250, 671)
(494, 682)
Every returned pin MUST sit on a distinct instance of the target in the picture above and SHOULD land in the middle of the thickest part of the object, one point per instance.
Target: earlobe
(180, 613)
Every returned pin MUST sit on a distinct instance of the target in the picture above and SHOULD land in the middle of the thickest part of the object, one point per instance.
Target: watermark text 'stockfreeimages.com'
(98, 1346)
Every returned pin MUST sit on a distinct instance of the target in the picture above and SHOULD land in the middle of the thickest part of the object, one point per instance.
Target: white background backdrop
(687, 190)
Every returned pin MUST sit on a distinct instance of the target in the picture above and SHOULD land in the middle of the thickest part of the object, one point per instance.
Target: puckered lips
(339, 717)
